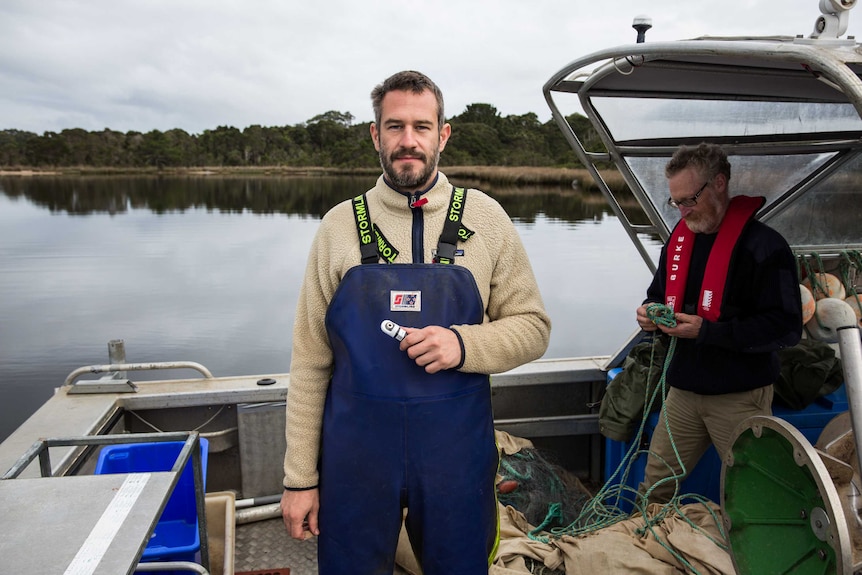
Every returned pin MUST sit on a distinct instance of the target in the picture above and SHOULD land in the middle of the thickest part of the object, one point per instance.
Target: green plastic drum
(780, 507)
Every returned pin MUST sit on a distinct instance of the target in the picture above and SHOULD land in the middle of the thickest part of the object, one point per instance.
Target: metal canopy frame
(774, 69)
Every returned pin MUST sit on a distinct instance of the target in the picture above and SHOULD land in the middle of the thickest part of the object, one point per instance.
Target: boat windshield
(786, 111)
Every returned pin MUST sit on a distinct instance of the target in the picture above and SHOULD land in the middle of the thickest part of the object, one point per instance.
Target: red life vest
(739, 212)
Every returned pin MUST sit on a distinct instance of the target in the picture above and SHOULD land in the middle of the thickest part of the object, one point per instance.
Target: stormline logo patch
(405, 300)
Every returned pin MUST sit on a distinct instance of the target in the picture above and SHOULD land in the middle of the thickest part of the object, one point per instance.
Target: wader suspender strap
(372, 241)
(367, 236)
(451, 227)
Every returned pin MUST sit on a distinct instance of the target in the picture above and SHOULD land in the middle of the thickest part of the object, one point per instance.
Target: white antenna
(643, 23)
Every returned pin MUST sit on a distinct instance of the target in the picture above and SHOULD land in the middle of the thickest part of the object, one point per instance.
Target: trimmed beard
(709, 220)
(408, 179)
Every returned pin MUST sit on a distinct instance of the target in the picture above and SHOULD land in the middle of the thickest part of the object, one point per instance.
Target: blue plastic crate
(811, 420)
(176, 536)
(705, 478)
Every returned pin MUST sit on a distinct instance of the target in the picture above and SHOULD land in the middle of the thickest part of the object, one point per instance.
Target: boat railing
(116, 381)
(109, 385)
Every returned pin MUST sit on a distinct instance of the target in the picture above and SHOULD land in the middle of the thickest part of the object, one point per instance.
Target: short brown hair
(408, 80)
(709, 159)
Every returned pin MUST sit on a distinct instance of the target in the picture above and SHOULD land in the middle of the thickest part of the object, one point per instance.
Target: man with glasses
(731, 282)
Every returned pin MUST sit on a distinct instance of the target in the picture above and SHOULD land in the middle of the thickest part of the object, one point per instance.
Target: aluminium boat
(788, 109)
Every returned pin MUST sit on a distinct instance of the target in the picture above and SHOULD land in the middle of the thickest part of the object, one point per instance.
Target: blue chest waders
(395, 436)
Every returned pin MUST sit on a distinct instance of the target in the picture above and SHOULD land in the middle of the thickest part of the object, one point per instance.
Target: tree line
(480, 137)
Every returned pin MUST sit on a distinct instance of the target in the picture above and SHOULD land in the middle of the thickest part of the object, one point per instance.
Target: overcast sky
(198, 64)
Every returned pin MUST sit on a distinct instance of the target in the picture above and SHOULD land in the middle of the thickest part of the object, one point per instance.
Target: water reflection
(208, 269)
(312, 196)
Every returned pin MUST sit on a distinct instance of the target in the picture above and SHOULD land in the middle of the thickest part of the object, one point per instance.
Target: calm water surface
(208, 270)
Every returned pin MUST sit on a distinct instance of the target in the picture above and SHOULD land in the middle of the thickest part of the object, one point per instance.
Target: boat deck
(265, 545)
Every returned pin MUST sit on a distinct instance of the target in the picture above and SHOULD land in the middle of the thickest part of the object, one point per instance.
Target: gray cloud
(159, 64)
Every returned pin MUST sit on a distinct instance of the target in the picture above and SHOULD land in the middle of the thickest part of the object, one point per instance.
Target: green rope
(813, 274)
(660, 314)
(555, 514)
(604, 510)
(814, 282)
(514, 472)
(851, 262)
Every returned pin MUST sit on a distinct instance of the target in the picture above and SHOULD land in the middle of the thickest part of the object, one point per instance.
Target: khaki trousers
(695, 421)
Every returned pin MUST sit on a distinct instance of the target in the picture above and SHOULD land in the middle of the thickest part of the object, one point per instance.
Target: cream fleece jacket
(516, 327)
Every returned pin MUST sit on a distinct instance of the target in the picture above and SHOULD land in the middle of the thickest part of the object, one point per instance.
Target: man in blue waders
(414, 292)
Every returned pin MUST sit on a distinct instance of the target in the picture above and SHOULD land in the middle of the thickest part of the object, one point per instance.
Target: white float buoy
(829, 315)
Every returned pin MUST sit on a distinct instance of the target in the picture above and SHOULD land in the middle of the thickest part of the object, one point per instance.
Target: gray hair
(709, 159)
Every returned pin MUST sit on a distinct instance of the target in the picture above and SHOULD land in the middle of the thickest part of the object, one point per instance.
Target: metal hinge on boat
(104, 385)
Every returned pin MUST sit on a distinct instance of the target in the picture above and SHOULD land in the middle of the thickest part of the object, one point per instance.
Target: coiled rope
(603, 510)
(661, 314)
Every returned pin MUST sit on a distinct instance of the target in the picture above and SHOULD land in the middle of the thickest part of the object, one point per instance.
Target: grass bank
(576, 178)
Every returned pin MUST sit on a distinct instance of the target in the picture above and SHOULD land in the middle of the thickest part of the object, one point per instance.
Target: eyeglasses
(690, 201)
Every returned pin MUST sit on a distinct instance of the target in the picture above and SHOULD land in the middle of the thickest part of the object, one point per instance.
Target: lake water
(207, 269)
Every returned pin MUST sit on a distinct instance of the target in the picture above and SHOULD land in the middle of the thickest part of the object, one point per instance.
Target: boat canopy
(788, 111)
